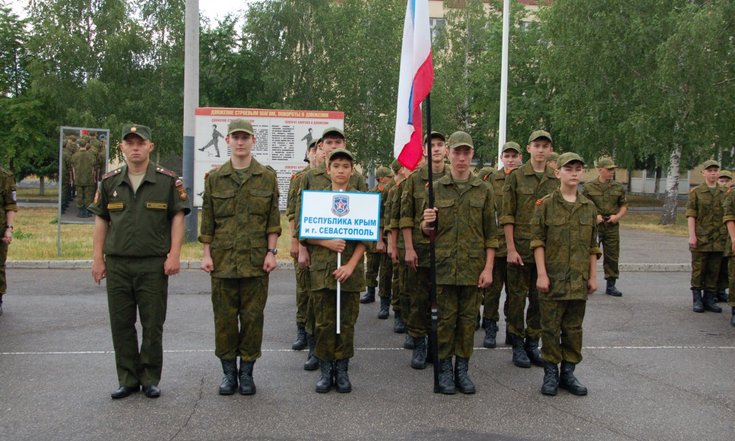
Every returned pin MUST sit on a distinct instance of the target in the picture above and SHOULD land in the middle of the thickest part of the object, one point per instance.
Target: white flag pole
(504, 82)
(339, 292)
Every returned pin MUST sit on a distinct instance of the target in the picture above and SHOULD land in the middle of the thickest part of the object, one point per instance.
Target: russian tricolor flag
(416, 79)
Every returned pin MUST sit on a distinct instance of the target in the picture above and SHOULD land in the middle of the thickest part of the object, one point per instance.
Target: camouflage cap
(136, 129)
(568, 157)
(459, 139)
(539, 134)
(435, 134)
(341, 153)
(383, 172)
(395, 166)
(605, 162)
(240, 125)
(725, 174)
(332, 130)
(710, 163)
(82, 142)
(510, 145)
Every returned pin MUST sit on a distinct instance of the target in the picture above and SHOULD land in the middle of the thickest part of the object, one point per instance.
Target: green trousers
(418, 285)
(561, 323)
(385, 278)
(3, 259)
(84, 196)
(731, 281)
(372, 268)
(331, 346)
(521, 285)
(491, 299)
(238, 306)
(609, 235)
(458, 306)
(137, 286)
(302, 293)
(705, 269)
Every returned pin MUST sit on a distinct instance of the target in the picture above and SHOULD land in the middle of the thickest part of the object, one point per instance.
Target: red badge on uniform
(538, 202)
(180, 188)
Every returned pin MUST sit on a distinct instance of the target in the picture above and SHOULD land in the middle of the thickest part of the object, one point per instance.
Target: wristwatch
(273, 251)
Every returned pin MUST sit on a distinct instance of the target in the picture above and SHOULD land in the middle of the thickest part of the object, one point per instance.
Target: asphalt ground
(655, 371)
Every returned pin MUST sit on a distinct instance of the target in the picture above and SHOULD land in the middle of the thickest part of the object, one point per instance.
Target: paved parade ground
(655, 370)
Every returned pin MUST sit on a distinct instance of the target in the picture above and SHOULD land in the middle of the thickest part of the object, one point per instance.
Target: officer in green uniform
(7, 219)
(240, 227)
(729, 221)
(376, 254)
(302, 276)
(609, 198)
(724, 180)
(466, 239)
(523, 187)
(317, 179)
(566, 252)
(138, 233)
(706, 241)
(335, 350)
(511, 156)
(417, 285)
(83, 167)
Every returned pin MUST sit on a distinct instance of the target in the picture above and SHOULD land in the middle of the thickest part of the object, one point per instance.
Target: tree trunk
(668, 217)
(41, 186)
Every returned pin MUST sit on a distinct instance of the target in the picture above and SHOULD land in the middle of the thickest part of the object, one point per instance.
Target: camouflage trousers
(331, 346)
(372, 268)
(302, 294)
(705, 269)
(417, 289)
(458, 306)
(399, 302)
(561, 323)
(731, 281)
(85, 194)
(491, 295)
(609, 235)
(519, 286)
(238, 305)
(722, 279)
(385, 279)
(137, 286)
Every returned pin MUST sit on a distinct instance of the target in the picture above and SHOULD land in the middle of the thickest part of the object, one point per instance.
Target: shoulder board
(112, 173)
(271, 168)
(167, 172)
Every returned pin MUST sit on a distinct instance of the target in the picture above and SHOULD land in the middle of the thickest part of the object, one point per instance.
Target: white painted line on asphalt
(188, 351)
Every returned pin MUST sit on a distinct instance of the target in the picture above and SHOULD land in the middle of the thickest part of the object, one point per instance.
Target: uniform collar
(527, 169)
(255, 168)
(150, 175)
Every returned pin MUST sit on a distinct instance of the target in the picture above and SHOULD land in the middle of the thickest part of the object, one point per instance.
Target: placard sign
(340, 215)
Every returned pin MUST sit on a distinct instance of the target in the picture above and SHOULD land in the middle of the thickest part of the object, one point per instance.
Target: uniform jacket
(608, 197)
(84, 162)
(497, 181)
(706, 207)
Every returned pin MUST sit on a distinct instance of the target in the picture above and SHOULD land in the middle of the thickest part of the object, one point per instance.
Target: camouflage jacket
(608, 197)
(497, 180)
(705, 205)
(84, 162)
(7, 194)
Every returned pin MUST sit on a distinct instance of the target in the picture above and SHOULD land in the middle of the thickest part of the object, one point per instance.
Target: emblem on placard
(340, 205)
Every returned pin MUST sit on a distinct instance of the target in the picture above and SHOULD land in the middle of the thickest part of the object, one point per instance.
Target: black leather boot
(708, 299)
(384, 311)
(418, 360)
(491, 333)
(611, 290)
(568, 381)
(551, 379)
(732, 319)
(697, 305)
(446, 380)
(534, 356)
(342, 379)
(520, 358)
(247, 386)
(300, 342)
(369, 296)
(229, 381)
(408, 342)
(461, 377)
(399, 326)
(721, 296)
(324, 384)
(312, 363)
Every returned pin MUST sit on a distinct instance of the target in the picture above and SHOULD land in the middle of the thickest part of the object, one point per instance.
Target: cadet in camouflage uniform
(706, 240)
(414, 199)
(401, 301)
(317, 179)
(523, 187)
(240, 227)
(302, 276)
(138, 233)
(725, 180)
(388, 284)
(466, 239)
(7, 220)
(729, 221)
(609, 198)
(83, 167)
(335, 350)
(511, 156)
(377, 253)
(565, 248)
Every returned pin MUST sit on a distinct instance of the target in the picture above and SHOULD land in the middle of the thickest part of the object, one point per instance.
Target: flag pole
(433, 336)
(339, 294)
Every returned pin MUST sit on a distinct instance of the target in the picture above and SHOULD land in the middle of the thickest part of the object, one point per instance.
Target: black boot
(324, 384)
(568, 381)
(462, 377)
(732, 319)
(491, 332)
(247, 386)
(384, 311)
(312, 363)
(708, 299)
(342, 379)
(418, 360)
(611, 289)
(520, 358)
(721, 296)
(551, 379)
(399, 326)
(446, 380)
(300, 342)
(369, 296)
(408, 342)
(697, 306)
(534, 356)
(229, 381)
